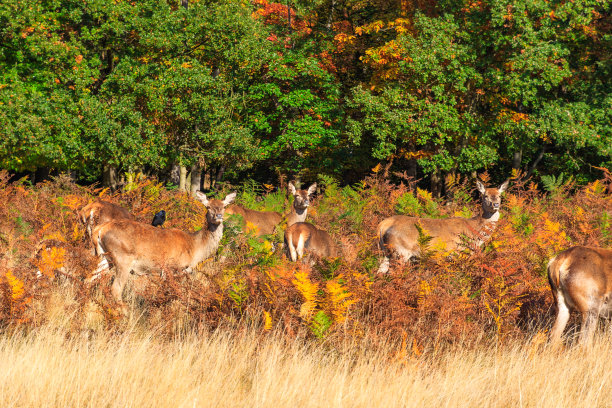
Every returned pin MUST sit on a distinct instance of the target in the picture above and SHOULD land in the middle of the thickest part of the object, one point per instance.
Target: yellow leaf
(250, 227)
(308, 290)
(267, 321)
(16, 285)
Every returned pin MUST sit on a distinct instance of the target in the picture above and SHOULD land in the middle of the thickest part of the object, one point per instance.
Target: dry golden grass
(227, 369)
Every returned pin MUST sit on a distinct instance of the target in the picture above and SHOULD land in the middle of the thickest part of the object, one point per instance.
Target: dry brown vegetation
(247, 369)
(465, 330)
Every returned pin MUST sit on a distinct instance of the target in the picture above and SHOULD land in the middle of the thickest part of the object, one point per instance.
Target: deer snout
(496, 206)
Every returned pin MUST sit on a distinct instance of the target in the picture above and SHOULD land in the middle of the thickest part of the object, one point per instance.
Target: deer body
(264, 221)
(101, 211)
(138, 248)
(399, 235)
(581, 279)
(303, 236)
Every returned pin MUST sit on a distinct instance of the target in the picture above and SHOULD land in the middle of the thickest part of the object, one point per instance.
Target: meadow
(463, 330)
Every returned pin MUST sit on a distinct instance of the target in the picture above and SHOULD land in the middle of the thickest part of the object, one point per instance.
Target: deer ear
(312, 189)
(291, 188)
(480, 187)
(229, 198)
(202, 197)
(503, 187)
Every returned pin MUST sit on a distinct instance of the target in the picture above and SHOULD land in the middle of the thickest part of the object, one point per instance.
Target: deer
(305, 236)
(138, 248)
(266, 222)
(399, 234)
(580, 279)
(99, 212)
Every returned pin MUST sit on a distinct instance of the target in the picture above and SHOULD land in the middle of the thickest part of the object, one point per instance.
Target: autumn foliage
(497, 292)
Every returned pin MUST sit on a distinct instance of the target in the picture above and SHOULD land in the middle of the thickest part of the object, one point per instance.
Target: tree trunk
(42, 174)
(196, 178)
(516, 159)
(130, 177)
(436, 183)
(182, 178)
(185, 4)
(536, 162)
(411, 169)
(207, 180)
(289, 15)
(220, 173)
(173, 176)
(109, 177)
(330, 17)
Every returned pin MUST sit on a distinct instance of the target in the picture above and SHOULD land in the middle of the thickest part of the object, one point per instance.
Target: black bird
(159, 219)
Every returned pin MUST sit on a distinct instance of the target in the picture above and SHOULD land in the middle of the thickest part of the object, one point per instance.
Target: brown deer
(399, 234)
(305, 236)
(100, 211)
(264, 222)
(301, 202)
(134, 247)
(581, 279)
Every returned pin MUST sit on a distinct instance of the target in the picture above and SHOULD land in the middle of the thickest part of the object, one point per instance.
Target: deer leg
(121, 277)
(300, 247)
(589, 324)
(103, 266)
(384, 265)
(563, 315)
(292, 253)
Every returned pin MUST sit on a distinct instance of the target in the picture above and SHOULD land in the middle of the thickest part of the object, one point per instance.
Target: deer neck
(488, 217)
(207, 241)
(482, 226)
(297, 215)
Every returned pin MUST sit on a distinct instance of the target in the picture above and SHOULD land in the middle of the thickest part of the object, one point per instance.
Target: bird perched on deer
(159, 219)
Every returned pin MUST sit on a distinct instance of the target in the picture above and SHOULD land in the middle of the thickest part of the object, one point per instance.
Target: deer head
(215, 207)
(491, 197)
(301, 197)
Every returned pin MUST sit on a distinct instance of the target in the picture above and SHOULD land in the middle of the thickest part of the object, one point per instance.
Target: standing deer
(399, 234)
(303, 235)
(134, 247)
(264, 221)
(100, 211)
(581, 279)
(267, 221)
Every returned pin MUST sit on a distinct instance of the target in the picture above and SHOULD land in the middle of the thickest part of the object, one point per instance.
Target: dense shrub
(499, 291)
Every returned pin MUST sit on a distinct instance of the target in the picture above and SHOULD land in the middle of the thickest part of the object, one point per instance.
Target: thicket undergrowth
(498, 292)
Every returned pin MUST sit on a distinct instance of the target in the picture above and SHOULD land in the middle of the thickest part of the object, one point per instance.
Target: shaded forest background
(256, 89)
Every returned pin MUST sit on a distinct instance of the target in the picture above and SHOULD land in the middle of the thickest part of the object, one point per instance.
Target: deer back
(314, 240)
(264, 221)
(100, 212)
(583, 274)
(447, 234)
(142, 246)
(103, 211)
